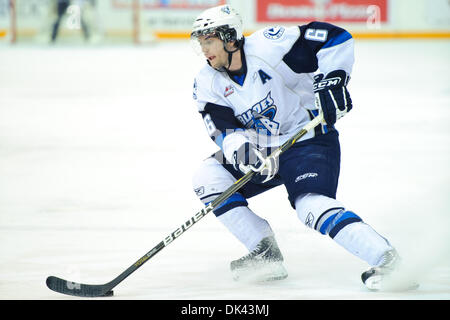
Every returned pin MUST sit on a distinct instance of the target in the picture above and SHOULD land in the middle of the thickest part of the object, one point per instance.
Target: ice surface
(98, 146)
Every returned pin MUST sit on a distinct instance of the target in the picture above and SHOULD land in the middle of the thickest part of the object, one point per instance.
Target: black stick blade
(78, 289)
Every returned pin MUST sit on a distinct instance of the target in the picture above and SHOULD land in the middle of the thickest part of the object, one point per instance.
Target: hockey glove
(249, 157)
(331, 95)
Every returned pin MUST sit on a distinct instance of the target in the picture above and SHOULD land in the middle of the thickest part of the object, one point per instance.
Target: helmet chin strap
(230, 54)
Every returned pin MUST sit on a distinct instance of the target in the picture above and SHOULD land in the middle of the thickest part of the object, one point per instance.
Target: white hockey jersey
(274, 98)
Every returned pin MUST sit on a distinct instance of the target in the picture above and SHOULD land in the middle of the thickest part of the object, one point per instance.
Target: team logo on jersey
(228, 90)
(261, 117)
(274, 33)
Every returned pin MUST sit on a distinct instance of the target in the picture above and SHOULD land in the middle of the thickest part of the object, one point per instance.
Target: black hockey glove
(249, 157)
(331, 95)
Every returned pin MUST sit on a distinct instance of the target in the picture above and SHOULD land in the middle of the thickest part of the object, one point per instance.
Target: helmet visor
(202, 39)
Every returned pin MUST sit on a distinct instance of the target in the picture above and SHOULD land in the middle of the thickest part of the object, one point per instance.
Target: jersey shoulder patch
(278, 34)
(271, 43)
(274, 33)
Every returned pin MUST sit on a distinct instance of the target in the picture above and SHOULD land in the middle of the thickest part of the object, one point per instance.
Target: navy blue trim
(236, 200)
(211, 195)
(342, 224)
(223, 119)
(222, 116)
(324, 213)
(302, 58)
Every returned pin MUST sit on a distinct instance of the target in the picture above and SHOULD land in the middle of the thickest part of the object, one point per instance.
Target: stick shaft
(86, 290)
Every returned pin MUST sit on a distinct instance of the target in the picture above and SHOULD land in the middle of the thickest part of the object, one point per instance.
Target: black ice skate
(264, 263)
(386, 276)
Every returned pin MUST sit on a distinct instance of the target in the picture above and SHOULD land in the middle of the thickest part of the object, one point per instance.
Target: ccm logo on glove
(326, 83)
(332, 96)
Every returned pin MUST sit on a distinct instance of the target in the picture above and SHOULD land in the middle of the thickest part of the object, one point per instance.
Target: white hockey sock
(246, 226)
(364, 242)
(328, 216)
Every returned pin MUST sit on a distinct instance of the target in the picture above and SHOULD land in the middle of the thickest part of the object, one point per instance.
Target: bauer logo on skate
(306, 175)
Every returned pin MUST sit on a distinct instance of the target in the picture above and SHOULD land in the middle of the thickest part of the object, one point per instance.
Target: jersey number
(316, 34)
(210, 127)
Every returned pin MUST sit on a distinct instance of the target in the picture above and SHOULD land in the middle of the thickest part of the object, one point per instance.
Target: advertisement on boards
(336, 11)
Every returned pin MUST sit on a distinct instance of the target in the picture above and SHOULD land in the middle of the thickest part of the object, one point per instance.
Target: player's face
(212, 48)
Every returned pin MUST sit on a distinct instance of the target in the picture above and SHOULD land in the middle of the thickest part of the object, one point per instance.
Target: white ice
(98, 146)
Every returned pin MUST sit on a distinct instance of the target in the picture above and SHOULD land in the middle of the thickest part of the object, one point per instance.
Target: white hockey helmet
(223, 20)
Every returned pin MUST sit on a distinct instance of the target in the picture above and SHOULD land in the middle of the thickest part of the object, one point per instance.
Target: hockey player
(254, 93)
(61, 7)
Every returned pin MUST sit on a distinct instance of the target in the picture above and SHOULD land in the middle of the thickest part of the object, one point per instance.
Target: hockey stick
(102, 290)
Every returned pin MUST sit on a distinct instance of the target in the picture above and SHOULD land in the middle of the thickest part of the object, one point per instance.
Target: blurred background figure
(61, 8)
(79, 16)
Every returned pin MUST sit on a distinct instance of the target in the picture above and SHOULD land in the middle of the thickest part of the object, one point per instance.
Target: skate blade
(260, 273)
(389, 284)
